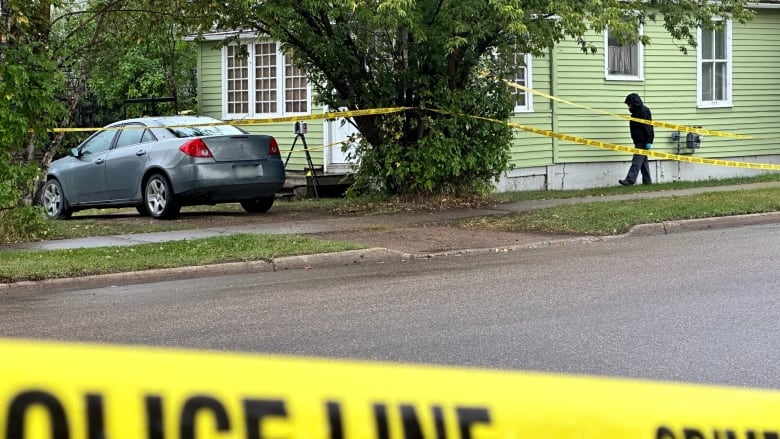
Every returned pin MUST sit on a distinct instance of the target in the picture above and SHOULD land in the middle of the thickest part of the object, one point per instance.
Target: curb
(714, 223)
(374, 255)
(345, 258)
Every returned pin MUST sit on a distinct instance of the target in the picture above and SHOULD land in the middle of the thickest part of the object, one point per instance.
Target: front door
(337, 160)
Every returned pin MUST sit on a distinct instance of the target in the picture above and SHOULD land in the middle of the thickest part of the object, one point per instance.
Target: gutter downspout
(553, 115)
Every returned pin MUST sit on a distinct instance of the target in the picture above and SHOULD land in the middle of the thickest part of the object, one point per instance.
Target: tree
(55, 52)
(437, 54)
(29, 86)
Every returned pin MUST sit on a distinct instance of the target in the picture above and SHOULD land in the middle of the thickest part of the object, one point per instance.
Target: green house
(729, 86)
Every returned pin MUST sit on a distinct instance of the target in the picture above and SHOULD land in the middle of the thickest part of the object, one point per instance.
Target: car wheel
(142, 210)
(54, 202)
(159, 200)
(258, 205)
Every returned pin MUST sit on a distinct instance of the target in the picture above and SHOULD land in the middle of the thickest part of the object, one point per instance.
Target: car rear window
(206, 130)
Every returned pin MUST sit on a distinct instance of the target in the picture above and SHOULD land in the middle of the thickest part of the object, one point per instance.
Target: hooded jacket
(641, 134)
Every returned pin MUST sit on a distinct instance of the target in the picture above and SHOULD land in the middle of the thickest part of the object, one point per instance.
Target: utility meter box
(693, 141)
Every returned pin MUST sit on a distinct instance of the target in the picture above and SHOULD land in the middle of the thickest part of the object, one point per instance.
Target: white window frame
(527, 82)
(250, 71)
(640, 53)
(728, 85)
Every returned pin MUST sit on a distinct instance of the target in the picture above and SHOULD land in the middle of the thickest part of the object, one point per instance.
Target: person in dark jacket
(642, 135)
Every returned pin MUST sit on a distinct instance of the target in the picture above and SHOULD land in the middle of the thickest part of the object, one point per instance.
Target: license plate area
(248, 171)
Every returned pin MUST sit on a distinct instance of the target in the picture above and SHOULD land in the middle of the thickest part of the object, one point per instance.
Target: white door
(338, 130)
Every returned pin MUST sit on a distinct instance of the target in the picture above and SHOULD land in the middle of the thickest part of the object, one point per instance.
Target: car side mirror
(75, 152)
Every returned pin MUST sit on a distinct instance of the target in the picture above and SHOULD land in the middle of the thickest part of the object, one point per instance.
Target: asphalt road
(698, 307)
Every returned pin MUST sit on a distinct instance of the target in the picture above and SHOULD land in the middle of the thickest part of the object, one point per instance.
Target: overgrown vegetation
(69, 63)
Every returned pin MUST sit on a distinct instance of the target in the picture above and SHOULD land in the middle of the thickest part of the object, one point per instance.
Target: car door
(85, 180)
(125, 163)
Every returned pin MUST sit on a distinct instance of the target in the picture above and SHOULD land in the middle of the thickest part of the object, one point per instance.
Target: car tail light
(196, 148)
(273, 147)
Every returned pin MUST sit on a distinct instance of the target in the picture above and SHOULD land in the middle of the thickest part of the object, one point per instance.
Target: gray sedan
(159, 164)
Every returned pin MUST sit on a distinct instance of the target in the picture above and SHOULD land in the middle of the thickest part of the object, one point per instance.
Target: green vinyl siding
(668, 88)
(210, 80)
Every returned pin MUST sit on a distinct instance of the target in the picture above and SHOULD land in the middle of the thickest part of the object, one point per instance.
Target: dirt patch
(393, 231)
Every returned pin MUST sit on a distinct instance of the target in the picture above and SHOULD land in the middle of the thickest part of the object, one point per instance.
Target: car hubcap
(155, 196)
(52, 199)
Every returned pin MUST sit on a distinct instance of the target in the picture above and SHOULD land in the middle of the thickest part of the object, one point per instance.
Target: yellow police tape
(676, 127)
(649, 153)
(247, 122)
(53, 390)
(548, 133)
(632, 150)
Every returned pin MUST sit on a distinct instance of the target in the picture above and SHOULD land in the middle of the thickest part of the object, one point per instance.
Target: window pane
(517, 72)
(296, 88)
(720, 81)
(130, 135)
(623, 60)
(520, 79)
(265, 77)
(707, 40)
(706, 82)
(99, 142)
(720, 45)
(237, 81)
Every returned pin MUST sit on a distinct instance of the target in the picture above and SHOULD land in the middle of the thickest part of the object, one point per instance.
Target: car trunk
(238, 148)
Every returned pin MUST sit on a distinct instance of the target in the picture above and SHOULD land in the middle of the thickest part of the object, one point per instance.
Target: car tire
(55, 204)
(258, 205)
(159, 200)
(142, 210)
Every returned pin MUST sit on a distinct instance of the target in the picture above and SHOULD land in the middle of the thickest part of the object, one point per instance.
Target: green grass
(18, 266)
(589, 218)
(615, 217)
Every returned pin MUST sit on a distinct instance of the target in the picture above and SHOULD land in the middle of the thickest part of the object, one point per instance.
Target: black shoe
(647, 183)
(625, 182)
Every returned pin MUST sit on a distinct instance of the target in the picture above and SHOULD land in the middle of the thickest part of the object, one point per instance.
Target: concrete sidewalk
(396, 220)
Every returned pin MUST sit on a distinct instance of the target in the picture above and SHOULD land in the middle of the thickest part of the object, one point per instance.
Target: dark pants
(639, 163)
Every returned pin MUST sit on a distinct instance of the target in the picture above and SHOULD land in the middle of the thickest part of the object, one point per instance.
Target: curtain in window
(622, 60)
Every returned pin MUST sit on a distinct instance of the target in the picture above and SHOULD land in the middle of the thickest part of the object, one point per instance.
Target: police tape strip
(248, 122)
(649, 153)
(548, 133)
(58, 390)
(675, 127)
(632, 150)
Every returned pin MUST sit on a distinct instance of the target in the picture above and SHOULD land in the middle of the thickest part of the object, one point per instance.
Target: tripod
(299, 135)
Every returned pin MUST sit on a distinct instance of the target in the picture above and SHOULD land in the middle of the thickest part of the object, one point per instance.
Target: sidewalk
(393, 237)
(377, 223)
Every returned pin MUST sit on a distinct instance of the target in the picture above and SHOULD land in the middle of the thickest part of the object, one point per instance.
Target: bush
(22, 224)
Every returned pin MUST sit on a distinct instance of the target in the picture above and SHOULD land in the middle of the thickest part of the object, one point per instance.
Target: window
(518, 67)
(521, 67)
(262, 83)
(99, 142)
(133, 134)
(714, 67)
(622, 62)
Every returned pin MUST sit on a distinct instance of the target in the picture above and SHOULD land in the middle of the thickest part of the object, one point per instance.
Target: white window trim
(640, 63)
(280, 80)
(529, 97)
(729, 77)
